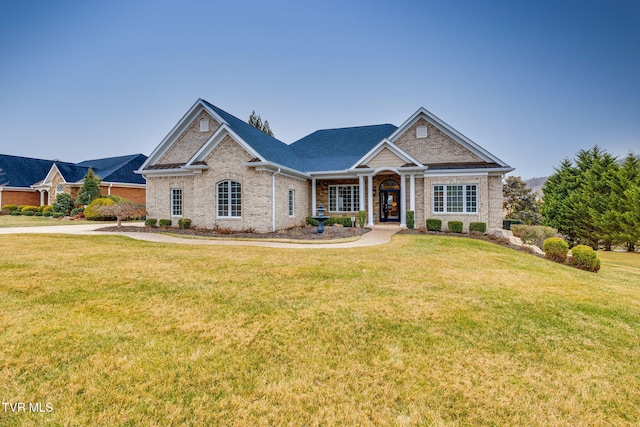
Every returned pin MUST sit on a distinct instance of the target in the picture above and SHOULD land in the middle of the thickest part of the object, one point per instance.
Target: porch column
(41, 197)
(361, 192)
(370, 200)
(313, 197)
(412, 192)
(403, 201)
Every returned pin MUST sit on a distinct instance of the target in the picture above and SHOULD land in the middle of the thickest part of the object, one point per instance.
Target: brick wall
(190, 141)
(16, 197)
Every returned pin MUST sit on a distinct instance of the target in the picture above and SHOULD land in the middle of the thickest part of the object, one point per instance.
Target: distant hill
(536, 184)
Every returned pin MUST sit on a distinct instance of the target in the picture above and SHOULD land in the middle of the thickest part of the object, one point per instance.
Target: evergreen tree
(555, 201)
(256, 122)
(521, 202)
(623, 219)
(90, 188)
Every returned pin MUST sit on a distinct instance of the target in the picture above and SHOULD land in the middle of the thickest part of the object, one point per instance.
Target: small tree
(521, 202)
(90, 188)
(122, 211)
(256, 122)
(63, 204)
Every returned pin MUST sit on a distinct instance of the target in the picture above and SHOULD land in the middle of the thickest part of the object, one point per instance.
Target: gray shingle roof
(22, 171)
(323, 150)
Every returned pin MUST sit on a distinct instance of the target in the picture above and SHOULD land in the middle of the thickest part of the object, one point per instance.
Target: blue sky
(533, 82)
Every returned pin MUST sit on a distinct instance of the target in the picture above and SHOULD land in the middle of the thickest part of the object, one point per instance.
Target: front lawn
(426, 330)
(34, 221)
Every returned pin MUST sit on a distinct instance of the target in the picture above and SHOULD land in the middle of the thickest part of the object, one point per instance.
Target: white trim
(182, 125)
(448, 130)
(370, 200)
(465, 172)
(464, 199)
(229, 180)
(354, 206)
(386, 143)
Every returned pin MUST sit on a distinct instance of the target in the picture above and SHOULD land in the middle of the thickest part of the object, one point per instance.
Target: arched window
(229, 199)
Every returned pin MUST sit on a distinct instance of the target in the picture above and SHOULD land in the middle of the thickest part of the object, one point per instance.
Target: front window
(455, 198)
(292, 202)
(176, 202)
(229, 199)
(344, 198)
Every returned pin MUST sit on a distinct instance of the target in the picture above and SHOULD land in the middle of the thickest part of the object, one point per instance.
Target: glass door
(389, 205)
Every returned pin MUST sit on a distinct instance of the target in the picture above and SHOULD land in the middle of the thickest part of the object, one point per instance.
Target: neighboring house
(219, 171)
(27, 181)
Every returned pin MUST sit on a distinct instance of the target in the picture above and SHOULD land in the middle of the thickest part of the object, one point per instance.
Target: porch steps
(387, 227)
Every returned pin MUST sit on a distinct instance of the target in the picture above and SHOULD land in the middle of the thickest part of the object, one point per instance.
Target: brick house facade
(219, 171)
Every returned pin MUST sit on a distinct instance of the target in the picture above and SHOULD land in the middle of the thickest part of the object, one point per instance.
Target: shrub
(585, 258)
(28, 213)
(165, 223)
(47, 213)
(47, 208)
(533, 234)
(38, 213)
(63, 204)
(16, 212)
(57, 214)
(507, 223)
(344, 221)
(41, 208)
(478, 227)
(29, 209)
(184, 223)
(455, 226)
(411, 215)
(362, 218)
(555, 249)
(434, 224)
(76, 211)
(10, 208)
(151, 222)
(311, 221)
(92, 212)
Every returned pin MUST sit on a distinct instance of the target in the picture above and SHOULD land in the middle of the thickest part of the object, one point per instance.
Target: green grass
(32, 221)
(426, 330)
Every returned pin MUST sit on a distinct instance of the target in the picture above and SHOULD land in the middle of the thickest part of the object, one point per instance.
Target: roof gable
(116, 169)
(18, 171)
(446, 129)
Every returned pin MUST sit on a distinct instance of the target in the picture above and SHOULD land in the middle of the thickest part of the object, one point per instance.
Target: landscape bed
(425, 330)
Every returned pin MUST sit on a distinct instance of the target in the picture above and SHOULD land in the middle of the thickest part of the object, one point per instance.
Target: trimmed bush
(507, 223)
(184, 223)
(455, 226)
(434, 224)
(29, 209)
(17, 212)
(151, 222)
(47, 208)
(57, 214)
(92, 213)
(28, 213)
(47, 213)
(556, 249)
(10, 208)
(362, 218)
(165, 223)
(344, 221)
(533, 234)
(585, 258)
(411, 215)
(63, 204)
(478, 227)
(38, 213)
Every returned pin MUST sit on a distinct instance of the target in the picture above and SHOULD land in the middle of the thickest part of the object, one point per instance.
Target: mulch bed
(296, 233)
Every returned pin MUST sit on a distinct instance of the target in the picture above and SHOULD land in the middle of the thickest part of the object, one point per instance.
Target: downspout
(273, 200)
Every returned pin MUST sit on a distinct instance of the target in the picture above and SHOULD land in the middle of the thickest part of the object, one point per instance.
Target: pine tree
(555, 201)
(90, 188)
(623, 218)
(256, 122)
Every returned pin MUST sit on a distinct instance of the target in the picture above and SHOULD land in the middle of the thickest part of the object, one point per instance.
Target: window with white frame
(204, 125)
(176, 202)
(292, 202)
(455, 198)
(229, 199)
(344, 198)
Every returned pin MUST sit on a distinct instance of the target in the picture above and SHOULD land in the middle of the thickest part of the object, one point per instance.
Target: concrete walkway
(372, 238)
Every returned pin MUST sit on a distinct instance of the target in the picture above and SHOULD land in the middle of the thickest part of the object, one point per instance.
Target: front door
(389, 205)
